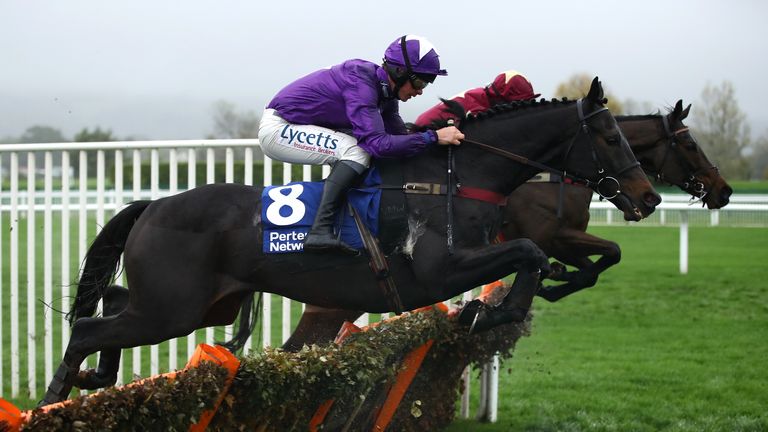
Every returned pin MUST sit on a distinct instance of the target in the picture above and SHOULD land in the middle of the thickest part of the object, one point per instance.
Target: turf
(649, 349)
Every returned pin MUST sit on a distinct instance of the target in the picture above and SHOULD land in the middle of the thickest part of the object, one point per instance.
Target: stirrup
(327, 243)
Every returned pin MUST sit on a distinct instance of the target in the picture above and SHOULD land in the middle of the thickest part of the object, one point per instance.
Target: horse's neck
(533, 140)
(644, 134)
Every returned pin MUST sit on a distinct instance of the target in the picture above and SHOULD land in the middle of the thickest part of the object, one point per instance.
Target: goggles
(418, 82)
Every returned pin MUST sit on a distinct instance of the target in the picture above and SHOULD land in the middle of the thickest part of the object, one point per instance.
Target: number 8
(298, 209)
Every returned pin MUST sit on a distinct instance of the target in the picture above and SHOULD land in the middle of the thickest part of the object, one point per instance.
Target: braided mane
(458, 110)
(641, 116)
(513, 106)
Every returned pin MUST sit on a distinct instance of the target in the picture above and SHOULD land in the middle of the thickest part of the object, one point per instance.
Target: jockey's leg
(321, 237)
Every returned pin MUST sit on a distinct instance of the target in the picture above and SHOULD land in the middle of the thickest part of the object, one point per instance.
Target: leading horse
(192, 259)
(556, 218)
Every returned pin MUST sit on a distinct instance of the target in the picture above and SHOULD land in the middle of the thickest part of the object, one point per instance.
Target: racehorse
(193, 258)
(666, 150)
(557, 223)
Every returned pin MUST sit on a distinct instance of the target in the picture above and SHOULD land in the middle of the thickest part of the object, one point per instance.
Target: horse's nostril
(726, 193)
(651, 199)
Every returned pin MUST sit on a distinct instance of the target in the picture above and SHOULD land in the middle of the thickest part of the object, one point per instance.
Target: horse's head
(615, 174)
(681, 162)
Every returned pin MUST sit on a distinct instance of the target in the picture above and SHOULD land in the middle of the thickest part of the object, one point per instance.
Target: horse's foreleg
(473, 267)
(318, 325)
(513, 308)
(105, 374)
(574, 248)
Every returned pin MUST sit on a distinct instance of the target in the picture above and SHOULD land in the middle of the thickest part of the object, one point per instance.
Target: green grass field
(647, 349)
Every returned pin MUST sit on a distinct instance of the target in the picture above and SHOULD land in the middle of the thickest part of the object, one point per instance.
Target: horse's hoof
(48, 399)
(488, 318)
(469, 312)
(557, 271)
(91, 379)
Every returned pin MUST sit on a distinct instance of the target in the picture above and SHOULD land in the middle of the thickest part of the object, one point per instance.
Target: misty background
(164, 70)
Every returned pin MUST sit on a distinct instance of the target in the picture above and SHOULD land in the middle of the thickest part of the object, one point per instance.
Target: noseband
(692, 184)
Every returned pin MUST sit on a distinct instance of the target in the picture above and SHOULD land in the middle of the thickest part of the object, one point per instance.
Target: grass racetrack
(649, 349)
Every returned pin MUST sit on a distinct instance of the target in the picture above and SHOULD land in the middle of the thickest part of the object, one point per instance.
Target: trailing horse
(193, 258)
(556, 218)
(666, 150)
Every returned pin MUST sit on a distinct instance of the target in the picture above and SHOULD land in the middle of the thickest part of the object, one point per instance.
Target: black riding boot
(321, 238)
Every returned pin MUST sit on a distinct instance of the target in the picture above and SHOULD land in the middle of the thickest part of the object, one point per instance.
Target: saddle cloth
(288, 211)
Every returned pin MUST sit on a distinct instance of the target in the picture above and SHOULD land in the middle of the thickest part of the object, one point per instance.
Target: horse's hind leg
(105, 374)
(318, 325)
(574, 248)
(66, 376)
(109, 334)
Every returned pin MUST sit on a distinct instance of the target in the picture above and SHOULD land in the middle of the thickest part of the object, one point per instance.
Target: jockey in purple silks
(346, 114)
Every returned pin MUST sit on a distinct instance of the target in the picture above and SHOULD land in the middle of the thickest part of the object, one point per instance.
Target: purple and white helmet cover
(421, 54)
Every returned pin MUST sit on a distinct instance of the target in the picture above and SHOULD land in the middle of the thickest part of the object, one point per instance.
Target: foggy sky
(153, 69)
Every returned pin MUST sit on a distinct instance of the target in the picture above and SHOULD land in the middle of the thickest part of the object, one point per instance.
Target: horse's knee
(534, 258)
(614, 252)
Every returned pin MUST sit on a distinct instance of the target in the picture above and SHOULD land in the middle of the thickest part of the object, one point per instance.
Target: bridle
(606, 179)
(692, 184)
(584, 128)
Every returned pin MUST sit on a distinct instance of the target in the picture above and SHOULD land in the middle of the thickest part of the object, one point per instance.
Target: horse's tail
(249, 314)
(101, 262)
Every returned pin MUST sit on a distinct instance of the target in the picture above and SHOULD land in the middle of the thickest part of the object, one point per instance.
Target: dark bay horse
(666, 150)
(193, 258)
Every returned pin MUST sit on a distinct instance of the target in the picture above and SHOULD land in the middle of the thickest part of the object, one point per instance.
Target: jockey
(344, 115)
(507, 86)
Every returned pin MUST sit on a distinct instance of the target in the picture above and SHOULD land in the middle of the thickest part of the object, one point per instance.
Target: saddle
(288, 211)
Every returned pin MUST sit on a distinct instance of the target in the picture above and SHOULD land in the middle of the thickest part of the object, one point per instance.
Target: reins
(584, 127)
(449, 198)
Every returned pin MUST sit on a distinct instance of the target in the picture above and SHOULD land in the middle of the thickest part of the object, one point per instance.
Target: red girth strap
(482, 195)
(462, 191)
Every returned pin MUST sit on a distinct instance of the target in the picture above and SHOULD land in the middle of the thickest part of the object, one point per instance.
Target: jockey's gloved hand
(449, 135)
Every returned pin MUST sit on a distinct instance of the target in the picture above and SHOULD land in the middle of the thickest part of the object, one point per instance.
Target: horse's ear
(595, 94)
(454, 108)
(678, 111)
(685, 112)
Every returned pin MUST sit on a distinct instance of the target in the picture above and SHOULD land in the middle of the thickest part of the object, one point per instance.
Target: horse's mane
(641, 116)
(458, 111)
(515, 107)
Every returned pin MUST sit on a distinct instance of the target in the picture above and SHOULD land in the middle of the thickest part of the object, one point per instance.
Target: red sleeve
(476, 100)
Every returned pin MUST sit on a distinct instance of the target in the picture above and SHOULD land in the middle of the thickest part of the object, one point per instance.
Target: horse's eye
(613, 140)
